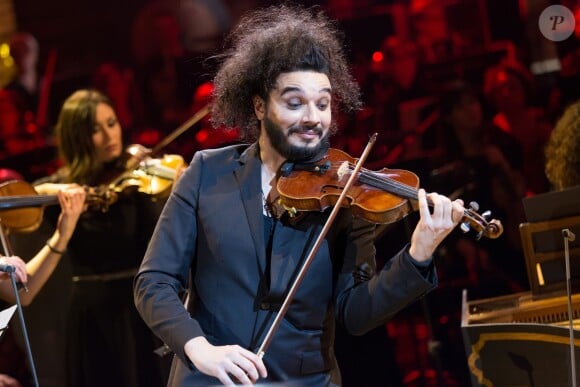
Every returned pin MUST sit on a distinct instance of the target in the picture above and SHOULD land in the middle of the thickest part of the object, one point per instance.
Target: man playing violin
(222, 238)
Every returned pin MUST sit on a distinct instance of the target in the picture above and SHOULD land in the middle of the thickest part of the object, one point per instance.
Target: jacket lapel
(249, 181)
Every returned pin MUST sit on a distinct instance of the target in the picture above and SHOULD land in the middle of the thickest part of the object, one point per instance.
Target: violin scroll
(480, 223)
(100, 198)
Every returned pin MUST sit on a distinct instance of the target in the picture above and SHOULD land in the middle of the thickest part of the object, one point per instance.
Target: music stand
(541, 236)
(5, 317)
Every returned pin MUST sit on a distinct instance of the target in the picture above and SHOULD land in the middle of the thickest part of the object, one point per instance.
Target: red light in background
(202, 136)
(377, 56)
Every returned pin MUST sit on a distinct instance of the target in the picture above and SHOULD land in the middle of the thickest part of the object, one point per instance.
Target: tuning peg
(474, 206)
(486, 215)
(465, 227)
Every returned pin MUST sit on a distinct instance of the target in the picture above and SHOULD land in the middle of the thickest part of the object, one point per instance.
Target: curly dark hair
(563, 150)
(272, 41)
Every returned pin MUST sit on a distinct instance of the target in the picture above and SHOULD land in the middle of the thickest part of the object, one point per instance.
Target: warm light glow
(541, 281)
(377, 56)
(4, 50)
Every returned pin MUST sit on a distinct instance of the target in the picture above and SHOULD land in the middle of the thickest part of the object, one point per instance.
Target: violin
(143, 173)
(383, 196)
(154, 176)
(22, 208)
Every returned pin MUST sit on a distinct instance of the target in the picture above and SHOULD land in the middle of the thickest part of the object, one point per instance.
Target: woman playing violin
(107, 342)
(222, 237)
(36, 271)
(34, 274)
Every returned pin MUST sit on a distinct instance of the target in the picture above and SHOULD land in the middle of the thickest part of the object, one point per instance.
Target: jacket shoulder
(230, 152)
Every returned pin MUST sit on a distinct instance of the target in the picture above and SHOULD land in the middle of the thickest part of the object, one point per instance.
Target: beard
(279, 141)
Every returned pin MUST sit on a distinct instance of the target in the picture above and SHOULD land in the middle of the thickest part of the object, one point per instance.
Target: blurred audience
(477, 161)
(19, 131)
(118, 83)
(508, 88)
(472, 159)
(396, 101)
(567, 90)
(24, 50)
(431, 30)
(164, 74)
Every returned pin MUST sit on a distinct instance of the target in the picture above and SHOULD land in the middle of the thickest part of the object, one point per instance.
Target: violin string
(385, 184)
(394, 186)
(388, 184)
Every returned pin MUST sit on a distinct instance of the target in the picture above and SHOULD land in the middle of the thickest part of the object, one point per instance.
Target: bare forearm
(41, 267)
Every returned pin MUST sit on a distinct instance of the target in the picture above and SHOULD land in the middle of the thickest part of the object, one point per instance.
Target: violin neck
(392, 186)
(388, 185)
(12, 202)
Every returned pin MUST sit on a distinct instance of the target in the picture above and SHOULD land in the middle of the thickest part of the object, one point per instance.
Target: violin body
(151, 176)
(21, 219)
(384, 196)
(318, 191)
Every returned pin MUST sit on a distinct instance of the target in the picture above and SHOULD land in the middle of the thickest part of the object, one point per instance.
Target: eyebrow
(290, 89)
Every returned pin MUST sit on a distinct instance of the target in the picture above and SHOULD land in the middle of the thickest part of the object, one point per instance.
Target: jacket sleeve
(165, 270)
(370, 301)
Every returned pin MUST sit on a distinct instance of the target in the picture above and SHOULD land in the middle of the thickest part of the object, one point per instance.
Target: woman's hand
(72, 204)
(8, 381)
(434, 227)
(226, 361)
(19, 265)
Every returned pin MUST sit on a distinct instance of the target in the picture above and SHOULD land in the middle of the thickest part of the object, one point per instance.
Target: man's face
(297, 116)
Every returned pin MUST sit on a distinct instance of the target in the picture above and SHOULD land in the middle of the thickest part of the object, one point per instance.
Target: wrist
(419, 256)
(54, 249)
(195, 346)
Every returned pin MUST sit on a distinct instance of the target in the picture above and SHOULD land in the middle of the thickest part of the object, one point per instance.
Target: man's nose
(311, 115)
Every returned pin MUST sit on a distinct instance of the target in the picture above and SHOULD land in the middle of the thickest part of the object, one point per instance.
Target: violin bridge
(342, 170)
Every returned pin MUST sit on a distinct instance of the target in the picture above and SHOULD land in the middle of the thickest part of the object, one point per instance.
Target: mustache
(302, 129)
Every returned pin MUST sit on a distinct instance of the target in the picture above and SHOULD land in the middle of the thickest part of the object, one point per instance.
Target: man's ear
(259, 107)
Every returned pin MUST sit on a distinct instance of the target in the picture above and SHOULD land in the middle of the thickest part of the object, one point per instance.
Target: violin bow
(300, 276)
(181, 129)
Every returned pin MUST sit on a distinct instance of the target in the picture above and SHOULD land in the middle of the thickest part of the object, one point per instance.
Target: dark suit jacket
(212, 231)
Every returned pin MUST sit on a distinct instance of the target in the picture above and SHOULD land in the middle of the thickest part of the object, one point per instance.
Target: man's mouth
(306, 133)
